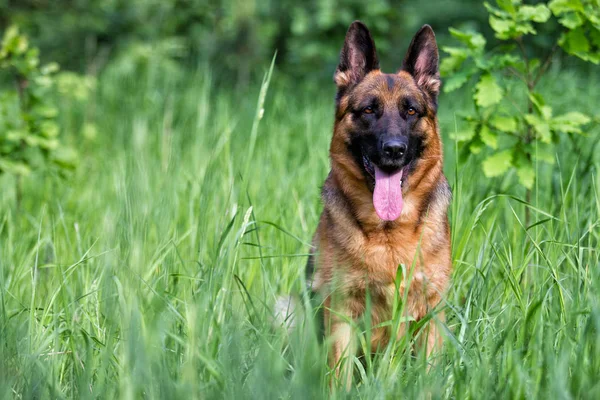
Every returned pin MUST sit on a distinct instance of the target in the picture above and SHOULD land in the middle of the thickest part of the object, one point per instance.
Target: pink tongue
(387, 196)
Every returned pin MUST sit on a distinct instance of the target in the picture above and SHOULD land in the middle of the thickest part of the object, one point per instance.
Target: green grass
(152, 271)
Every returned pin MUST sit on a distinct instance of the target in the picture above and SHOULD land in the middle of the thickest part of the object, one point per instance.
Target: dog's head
(385, 121)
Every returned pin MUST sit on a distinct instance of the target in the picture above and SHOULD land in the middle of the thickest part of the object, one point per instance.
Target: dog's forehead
(388, 87)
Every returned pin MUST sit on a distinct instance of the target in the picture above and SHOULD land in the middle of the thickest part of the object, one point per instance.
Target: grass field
(152, 271)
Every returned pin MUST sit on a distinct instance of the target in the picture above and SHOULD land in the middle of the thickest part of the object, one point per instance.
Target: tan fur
(356, 252)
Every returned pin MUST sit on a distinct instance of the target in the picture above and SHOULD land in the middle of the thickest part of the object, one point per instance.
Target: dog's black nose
(394, 148)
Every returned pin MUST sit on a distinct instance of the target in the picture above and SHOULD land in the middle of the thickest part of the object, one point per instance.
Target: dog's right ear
(358, 56)
(421, 61)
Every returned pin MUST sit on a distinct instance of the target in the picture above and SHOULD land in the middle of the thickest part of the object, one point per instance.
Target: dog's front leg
(432, 339)
(343, 348)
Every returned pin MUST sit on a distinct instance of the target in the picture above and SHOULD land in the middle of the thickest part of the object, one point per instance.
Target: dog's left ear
(421, 61)
(358, 57)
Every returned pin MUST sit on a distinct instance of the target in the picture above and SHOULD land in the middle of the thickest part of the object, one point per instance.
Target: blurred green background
(238, 37)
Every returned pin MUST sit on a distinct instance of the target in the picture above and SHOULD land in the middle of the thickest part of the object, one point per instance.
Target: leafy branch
(519, 134)
(29, 134)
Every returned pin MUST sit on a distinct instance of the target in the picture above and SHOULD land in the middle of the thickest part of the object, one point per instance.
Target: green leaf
(14, 167)
(574, 41)
(464, 135)
(488, 137)
(11, 33)
(571, 20)
(538, 13)
(16, 135)
(501, 26)
(49, 129)
(497, 164)
(500, 61)
(541, 127)
(13, 42)
(540, 105)
(592, 13)
(458, 79)
(455, 82)
(29, 63)
(49, 68)
(506, 5)
(45, 111)
(474, 40)
(43, 81)
(504, 124)
(575, 117)
(38, 141)
(559, 7)
(495, 11)
(476, 146)
(570, 122)
(534, 64)
(65, 157)
(595, 36)
(526, 175)
(524, 28)
(457, 56)
(487, 91)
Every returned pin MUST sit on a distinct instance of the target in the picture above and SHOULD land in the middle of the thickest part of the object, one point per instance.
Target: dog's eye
(368, 110)
(411, 111)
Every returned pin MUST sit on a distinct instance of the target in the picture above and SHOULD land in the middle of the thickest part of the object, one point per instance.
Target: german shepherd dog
(385, 199)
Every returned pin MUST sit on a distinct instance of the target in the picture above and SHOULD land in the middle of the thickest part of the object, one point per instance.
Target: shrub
(29, 134)
(519, 130)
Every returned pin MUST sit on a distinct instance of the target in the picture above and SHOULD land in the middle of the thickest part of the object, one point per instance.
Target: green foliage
(581, 18)
(239, 36)
(146, 60)
(75, 86)
(29, 134)
(510, 116)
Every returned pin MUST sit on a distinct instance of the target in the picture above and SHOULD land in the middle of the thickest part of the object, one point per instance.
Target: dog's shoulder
(443, 191)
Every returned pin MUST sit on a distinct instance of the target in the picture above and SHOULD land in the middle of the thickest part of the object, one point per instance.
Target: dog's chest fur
(383, 260)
